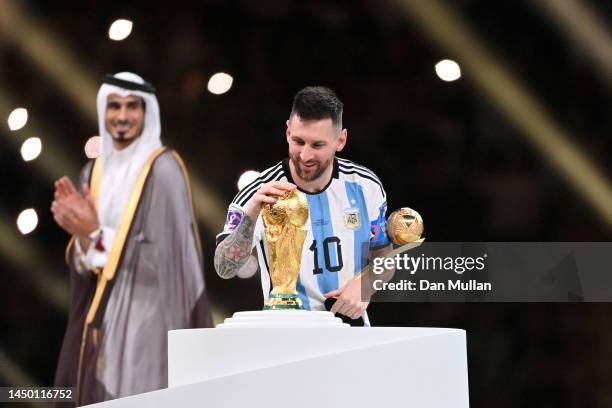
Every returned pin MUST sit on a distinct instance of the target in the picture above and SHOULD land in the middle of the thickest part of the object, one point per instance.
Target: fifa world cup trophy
(285, 232)
(405, 226)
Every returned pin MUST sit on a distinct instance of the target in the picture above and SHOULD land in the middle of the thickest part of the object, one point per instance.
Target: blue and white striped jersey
(347, 219)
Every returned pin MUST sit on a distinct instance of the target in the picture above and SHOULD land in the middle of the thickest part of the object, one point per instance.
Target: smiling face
(312, 147)
(124, 119)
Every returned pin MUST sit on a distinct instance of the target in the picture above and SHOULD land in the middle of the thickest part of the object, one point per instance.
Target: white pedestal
(310, 359)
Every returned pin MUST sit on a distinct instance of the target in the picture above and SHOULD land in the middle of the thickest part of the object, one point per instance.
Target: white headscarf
(120, 168)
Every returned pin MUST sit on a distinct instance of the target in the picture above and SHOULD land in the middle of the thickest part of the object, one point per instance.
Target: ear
(341, 141)
(287, 131)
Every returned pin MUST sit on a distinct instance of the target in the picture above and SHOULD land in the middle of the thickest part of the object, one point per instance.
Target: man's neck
(313, 186)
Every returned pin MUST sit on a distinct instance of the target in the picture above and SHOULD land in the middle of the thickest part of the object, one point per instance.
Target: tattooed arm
(234, 251)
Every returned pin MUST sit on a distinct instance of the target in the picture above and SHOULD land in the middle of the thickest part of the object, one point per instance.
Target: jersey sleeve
(235, 213)
(377, 213)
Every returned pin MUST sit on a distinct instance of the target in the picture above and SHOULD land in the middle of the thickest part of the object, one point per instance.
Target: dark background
(442, 148)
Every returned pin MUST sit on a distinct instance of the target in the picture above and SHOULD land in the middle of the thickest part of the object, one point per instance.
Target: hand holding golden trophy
(285, 231)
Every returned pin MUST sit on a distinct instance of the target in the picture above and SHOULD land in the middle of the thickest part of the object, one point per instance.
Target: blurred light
(27, 221)
(448, 70)
(93, 147)
(120, 29)
(246, 178)
(31, 148)
(18, 118)
(220, 83)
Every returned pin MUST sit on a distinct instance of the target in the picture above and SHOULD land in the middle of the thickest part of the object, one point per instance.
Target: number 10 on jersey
(329, 244)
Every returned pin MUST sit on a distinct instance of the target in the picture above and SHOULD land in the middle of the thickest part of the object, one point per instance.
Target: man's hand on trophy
(267, 193)
(349, 299)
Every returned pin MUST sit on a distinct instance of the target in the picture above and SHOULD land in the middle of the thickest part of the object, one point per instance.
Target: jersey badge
(352, 218)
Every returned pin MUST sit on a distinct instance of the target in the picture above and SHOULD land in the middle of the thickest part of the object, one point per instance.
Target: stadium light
(31, 148)
(93, 147)
(27, 221)
(17, 119)
(246, 178)
(120, 29)
(448, 70)
(220, 83)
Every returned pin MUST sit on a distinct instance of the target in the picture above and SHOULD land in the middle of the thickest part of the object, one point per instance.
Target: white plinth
(310, 359)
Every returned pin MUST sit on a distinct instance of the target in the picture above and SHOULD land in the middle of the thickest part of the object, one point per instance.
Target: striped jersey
(346, 220)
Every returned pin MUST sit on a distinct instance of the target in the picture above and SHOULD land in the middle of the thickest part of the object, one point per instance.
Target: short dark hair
(316, 103)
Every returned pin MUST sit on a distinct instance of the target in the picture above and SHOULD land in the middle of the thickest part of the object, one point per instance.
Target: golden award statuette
(285, 231)
(405, 226)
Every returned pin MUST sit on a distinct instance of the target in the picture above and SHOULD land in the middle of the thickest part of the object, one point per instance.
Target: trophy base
(295, 319)
(283, 301)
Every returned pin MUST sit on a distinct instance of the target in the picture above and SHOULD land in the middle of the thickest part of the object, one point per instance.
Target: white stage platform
(310, 359)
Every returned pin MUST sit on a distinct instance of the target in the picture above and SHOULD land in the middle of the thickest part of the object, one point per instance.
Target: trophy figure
(285, 231)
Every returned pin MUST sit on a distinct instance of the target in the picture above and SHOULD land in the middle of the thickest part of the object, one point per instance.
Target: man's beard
(317, 171)
(120, 137)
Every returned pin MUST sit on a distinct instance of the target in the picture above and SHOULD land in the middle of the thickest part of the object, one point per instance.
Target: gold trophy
(284, 224)
(405, 226)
